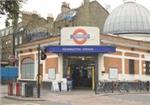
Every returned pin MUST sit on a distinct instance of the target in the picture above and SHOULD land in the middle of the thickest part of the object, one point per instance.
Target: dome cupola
(128, 18)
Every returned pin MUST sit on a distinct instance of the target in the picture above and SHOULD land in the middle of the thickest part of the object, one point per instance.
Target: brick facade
(112, 63)
(111, 60)
(51, 63)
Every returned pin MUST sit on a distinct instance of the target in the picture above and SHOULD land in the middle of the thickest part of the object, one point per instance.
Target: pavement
(4, 94)
(85, 97)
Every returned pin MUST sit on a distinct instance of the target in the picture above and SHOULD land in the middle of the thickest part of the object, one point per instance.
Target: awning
(80, 49)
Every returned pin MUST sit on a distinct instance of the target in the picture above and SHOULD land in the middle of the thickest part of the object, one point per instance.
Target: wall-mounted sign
(113, 73)
(147, 56)
(80, 36)
(80, 49)
(51, 73)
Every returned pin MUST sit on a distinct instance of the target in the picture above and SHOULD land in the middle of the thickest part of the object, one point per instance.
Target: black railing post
(38, 75)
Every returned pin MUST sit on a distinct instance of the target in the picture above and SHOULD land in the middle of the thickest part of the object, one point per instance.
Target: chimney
(86, 1)
(35, 13)
(50, 18)
(65, 7)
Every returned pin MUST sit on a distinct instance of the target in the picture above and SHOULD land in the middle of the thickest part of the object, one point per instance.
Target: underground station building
(120, 53)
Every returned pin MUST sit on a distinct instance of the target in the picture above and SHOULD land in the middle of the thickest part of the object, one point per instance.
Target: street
(79, 97)
(88, 99)
(5, 101)
(132, 99)
(139, 98)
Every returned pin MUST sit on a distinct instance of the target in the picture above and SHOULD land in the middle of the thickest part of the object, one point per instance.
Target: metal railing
(122, 86)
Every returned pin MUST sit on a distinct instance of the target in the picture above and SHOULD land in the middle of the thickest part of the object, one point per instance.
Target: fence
(122, 86)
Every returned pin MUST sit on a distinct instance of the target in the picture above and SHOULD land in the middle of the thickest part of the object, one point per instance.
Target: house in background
(88, 14)
(34, 27)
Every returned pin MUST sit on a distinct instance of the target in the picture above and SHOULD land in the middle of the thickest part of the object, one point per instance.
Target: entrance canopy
(80, 49)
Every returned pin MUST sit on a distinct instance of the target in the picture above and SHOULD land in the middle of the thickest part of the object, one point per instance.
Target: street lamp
(41, 56)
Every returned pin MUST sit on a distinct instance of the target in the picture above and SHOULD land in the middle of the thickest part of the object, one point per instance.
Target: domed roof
(128, 18)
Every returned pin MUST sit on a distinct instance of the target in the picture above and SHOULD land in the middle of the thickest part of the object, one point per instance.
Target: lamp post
(38, 75)
(41, 56)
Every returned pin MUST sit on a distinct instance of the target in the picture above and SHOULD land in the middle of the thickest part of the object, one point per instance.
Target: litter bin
(28, 90)
(23, 89)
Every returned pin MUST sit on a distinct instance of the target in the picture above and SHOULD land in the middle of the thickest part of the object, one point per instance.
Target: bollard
(147, 86)
(17, 89)
(10, 88)
(22, 89)
(112, 86)
(59, 85)
(14, 88)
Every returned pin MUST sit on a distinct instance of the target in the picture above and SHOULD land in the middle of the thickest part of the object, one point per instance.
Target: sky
(53, 7)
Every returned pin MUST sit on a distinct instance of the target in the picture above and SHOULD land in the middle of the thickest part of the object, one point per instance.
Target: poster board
(55, 86)
(51, 73)
(64, 84)
(113, 73)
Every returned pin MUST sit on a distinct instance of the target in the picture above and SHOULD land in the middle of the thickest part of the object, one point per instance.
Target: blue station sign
(80, 49)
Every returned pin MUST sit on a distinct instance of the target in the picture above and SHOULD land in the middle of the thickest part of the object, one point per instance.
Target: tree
(10, 8)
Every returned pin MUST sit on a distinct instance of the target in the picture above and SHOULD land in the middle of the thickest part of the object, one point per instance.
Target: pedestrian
(69, 83)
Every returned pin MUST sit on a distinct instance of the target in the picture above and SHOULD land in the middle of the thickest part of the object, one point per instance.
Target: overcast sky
(45, 7)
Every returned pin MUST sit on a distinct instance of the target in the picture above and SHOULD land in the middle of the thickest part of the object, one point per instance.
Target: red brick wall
(51, 63)
(112, 63)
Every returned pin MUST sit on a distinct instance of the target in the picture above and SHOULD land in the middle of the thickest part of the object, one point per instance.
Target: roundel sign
(80, 36)
(12, 58)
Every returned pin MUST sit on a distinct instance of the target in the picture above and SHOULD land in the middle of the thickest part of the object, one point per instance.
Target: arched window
(27, 69)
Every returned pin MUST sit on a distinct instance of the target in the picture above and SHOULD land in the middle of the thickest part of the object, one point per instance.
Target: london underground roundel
(80, 36)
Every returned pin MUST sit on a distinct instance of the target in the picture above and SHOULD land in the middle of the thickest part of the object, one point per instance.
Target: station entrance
(81, 70)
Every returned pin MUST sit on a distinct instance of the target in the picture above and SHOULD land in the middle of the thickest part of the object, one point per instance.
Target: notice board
(113, 73)
(51, 73)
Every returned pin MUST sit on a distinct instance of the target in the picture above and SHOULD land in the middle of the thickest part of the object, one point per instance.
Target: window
(67, 25)
(10, 31)
(20, 39)
(59, 29)
(27, 69)
(9, 41)
(147, 67)
(131, 66)
(16, 41)
(6, 32)
(2, 33)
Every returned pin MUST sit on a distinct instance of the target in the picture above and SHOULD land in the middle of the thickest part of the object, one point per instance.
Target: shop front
(81, 63)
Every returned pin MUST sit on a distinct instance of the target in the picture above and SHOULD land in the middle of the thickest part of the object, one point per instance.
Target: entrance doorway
(81, 70)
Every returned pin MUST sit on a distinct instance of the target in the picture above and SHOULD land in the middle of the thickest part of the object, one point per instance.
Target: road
(128, 99)
(80, 97)
(141, 98)
(5, 101)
